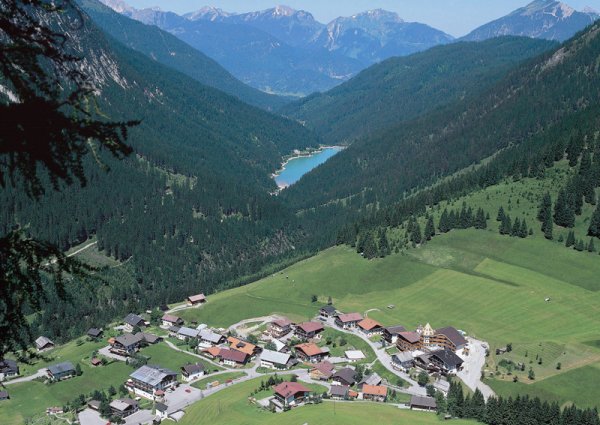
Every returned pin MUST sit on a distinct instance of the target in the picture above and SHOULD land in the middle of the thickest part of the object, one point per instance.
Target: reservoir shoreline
(307, 153)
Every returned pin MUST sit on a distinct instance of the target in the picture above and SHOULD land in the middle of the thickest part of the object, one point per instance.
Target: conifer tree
(570, 239)
(594, 228)
(523, 229)
(591, 247)
(444, 225)
(516, 228)
(501, 214)
(429, 229)
(580, 246)
(564, 214)
(416, 236)
(384, 246)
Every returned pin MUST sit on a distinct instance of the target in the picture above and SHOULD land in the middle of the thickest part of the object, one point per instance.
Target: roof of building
(373, 379)
(324, 366)
(59, 368)
(346, 374)
(402, 356)
(123, 404)
(376, 390)
(448, 357)
(172, 319)
(350, 317)
(94, 332)
(329, 309)
(339, 390)
(188, 332)
(421, 401)
(275, 357)
(94, 404)
(368, 324)
(233, 355)
(133, 320)
(3, 394)
(282, 323)
(453, 335)
(191, 369)
(311, 326)
(213, 351)
(152, 375)
(174, 329)
(309, 348)
(287, 389)
(8, 365)
(161, 407)
(127, 340)
(354, 355)
(96, 361)
(412, 337)
(395, 330)
(243, 346)
(278, 344)
(197, 298)
(150, 338)
(210, 336)
(42, 341)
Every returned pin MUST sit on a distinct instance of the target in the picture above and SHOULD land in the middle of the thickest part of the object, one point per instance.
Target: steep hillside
(168, 50)
(548, 19)
(401, 89)
(528, 103)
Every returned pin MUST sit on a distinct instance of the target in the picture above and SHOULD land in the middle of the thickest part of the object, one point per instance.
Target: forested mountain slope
(526, 104)
(188, 211)
(167, 49)
(400, 89)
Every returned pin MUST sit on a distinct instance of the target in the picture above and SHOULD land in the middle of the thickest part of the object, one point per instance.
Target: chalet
(43, 344)
(370, 327)
(61, 371)
(245, 347)
(189, 372)
(94, 404)
(281, 327)
(374, 392)
(408, 341)
(131, 321)
(339, 392)
(275, 360)
(327, 311)
(233, 358)
(173, 330)
(449, 338)
(208, 338)
(162, 410)
(373, 379)
(8, 369)
(185, 333)
(345, 376)
(127, 344)
(124, 407)
(418, 402)
(390, 334)
(427, 333)
(280, 346)
(403, 360)
(348, 321)
(196, 299)
(322, 371)
(354, 355)
(96, 361)
(308, 330)
(446, 360)
(310, 352)
(151, 381)
(4, 395)
(95, 333)
(290, 393)
(151, 338)
(169, 320)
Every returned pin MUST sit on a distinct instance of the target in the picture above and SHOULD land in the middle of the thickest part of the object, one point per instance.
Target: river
(292, 170)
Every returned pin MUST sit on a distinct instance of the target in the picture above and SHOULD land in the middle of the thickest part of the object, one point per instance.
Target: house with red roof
(310, 352)
(348, 320)
(290, 393)
(233, 358)
(370, 327)
(280, 327)
(408, 341)
(196, 299)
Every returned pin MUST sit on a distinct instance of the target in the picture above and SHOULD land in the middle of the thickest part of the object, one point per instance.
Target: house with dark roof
(390, 334)
(162, 410)
(348, 320)
(408, 341)
(184, 333)
(4, 395)
(61, 371)
(446, 360)
(151, 381)
(418, 402)
(373, 379)
(290, 393)
(190, 372)
(310, 352)
(208, 338)
(322, 371)
(132, 321)
(124, 407)
(280, 327)
(8, 369)
(127, 344)
(169, 320)
(95, 333)
(339, 392)
(151, 338)
(233, 358)
(374, 392)
(43, 343)
(308, 330)
(370, 327)
(403, 360)
(327, 311)
(449, 338)
(345, 376)
(196, 299)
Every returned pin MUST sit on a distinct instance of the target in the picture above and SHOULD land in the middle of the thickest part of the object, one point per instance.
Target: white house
(191, 372)
(186, 333)
(274, 359)
(354, 355)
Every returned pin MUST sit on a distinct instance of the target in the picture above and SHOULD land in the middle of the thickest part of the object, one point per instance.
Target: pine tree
(384, 246)
(516, 228)
(429, 229)
(591, 247)
(523, 229)
(580, 246)
(416, 236)
(370, 248)
(564, 214)
(501, 214)
(570, 239)
(444, 225)
(545, 215)
(594, 229)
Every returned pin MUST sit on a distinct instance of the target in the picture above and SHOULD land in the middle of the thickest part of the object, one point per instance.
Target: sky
(456, 17)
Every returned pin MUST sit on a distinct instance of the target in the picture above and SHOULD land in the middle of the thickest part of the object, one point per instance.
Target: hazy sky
(456, 17)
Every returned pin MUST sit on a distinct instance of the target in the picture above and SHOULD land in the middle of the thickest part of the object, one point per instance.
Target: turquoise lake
(297, 167)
